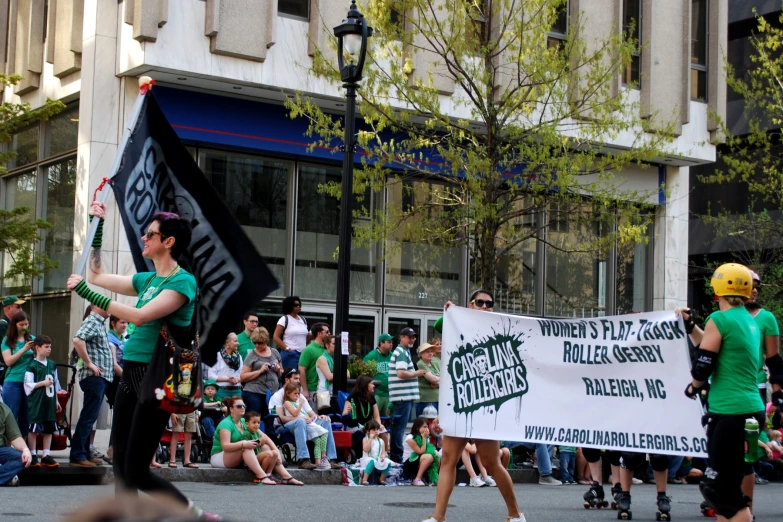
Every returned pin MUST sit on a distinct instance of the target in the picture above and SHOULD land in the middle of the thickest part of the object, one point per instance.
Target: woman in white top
(324, 366)
(227, 369)
(291, 332)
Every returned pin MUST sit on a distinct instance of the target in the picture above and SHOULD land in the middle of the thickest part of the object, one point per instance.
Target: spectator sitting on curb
(266, 451)
(419, 454)
(14, 455)
(544, 454)
(298, 426)
(373, 454)
(296, 407)
(229, 447)
(359, 409)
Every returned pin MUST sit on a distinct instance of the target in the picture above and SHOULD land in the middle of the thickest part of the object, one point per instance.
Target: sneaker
(94, 453)
(476, 482)
(307, 464)
(489, 481)
(549, 480)
(324, 465)
(418, 482)
(334, 465)
(761, 481)
(520, 518)
(34, 462)
(636, 481)
(49, 462)
(13, 483)
(431, 519)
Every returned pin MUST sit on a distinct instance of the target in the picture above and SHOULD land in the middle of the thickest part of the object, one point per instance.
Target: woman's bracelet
(101, 301)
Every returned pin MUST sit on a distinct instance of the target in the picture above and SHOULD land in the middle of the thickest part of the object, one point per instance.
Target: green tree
(521, 131)
(19, 231)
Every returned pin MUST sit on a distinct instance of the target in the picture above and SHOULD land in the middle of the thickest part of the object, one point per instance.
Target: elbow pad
(704, 365)
(775, 365)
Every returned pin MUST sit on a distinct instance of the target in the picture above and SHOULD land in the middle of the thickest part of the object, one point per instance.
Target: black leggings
(136, 431)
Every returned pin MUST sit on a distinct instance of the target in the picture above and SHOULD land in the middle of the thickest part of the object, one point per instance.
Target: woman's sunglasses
(240, 406)
(481, 302)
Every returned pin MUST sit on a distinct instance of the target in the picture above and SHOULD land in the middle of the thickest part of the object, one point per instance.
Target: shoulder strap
(285, 324)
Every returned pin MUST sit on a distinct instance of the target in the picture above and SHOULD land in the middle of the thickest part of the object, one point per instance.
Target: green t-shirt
(426, 392)
(245, 344)
(308, 359)
(733, 388)
(236, 435)
(142, 343)
(382, 390)
(768, 327)
(249, 435)
(9, 430)
(16, 372)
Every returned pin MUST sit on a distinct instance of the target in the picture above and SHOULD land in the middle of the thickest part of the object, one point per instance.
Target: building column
(670, 278)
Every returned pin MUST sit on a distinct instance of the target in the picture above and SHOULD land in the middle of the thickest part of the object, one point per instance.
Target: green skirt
(222, 393)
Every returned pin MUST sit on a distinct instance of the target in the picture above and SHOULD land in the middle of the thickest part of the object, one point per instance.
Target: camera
(273, 366)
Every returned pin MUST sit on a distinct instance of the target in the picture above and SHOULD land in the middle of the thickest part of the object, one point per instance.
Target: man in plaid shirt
(92, 345)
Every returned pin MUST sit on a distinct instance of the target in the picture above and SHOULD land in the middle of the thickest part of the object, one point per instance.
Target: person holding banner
(488, 450)
(168, 294)
(728, 356)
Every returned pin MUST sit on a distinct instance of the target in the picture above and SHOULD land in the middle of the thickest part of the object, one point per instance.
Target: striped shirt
(93, 333)
(402, 389)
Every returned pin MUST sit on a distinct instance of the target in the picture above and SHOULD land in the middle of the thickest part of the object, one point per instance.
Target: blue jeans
(93, 389)
(209, 426)
(674, 465)
(567, 463)
(290, 359)
(298, 427)
(16, 399)
(421, 405)
(257, 403)
(402, 411)
(544, 454)
(10, 464)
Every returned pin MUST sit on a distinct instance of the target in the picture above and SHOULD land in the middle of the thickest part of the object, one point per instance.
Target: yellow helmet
(732, 280)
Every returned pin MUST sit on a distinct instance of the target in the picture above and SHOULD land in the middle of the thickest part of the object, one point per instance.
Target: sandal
(381, 482)
(418, 482)
(291, 481)
(190, 465)
(173, 464)
(365, 483)
(266, 480)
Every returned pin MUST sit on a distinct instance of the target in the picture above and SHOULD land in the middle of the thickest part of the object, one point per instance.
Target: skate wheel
(614, 505)
(604, 504)
(657, 516)
(587, 505)
(709, 512)
(624, 515)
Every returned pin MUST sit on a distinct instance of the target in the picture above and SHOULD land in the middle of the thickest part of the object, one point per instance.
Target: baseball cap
(424, 346)
(430, 412)
(384, 337)
(408, 331)
(12, 299)
(210, 383)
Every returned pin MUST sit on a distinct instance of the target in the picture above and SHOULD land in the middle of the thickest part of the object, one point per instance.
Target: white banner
(611, 382)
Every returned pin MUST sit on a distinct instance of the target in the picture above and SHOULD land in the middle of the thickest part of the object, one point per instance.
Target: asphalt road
(376, 504)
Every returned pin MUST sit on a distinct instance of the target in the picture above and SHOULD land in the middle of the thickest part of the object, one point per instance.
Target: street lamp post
(352, 37)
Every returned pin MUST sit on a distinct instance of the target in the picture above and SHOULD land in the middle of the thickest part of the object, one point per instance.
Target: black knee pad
(591, 454)
(631, 461)
(659, 462)
(614, 457)
(726, 501)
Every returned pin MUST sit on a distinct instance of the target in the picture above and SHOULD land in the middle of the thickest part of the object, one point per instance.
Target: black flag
(158, 174)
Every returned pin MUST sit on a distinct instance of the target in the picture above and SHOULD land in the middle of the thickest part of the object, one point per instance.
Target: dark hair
(362, 388)
(288, 303)
(417, 424)
(480, 291)
(87, 312)
(317, 328)
(371, 424)
(172, 225)
(13, 332)
(249, 415)
(113, 319)
(328, 339)
(42, 340)
(289, 372)
(247, 316)
(228, 402)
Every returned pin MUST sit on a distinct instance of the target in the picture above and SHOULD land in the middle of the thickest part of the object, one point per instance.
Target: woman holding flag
(488, 450)
(167, 294)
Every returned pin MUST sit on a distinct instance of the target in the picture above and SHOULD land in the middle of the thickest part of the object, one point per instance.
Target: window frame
(629, 81)
(556, 38)
(296, 17)
(701, 68)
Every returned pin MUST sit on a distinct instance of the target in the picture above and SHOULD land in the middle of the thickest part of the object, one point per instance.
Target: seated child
(419, 454)
(41, 386)
(213, 411)
(297, 406)
(373, 453)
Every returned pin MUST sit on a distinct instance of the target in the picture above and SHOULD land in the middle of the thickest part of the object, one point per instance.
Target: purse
(174, 378)
(323, 400)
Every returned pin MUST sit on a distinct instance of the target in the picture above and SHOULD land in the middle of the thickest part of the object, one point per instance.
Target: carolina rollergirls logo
(487, 374)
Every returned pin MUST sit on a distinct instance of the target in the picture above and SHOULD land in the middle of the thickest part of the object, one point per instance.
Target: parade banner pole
(145, 84)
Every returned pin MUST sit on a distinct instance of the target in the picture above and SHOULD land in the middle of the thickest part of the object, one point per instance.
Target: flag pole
(145, 84)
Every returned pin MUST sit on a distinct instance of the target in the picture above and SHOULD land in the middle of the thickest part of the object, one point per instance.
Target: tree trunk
(487, 266)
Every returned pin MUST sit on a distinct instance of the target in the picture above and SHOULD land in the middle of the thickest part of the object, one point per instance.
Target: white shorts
(217, 460)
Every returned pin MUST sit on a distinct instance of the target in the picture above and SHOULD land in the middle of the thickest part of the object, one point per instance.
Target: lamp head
(352, 37)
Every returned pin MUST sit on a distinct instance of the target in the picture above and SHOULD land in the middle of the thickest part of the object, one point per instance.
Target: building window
(557, 35)
(699, 38)
(256, 191)
(297, 8)
(60, 179)
(477, 30)
(632, 25)
(558, 217)
(317, 238)
(25, 145)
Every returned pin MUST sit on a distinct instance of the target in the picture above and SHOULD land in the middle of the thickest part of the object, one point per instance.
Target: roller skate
(616, 491)
(624, 507)
(664, 507)
(595, 497)
(706, 510)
